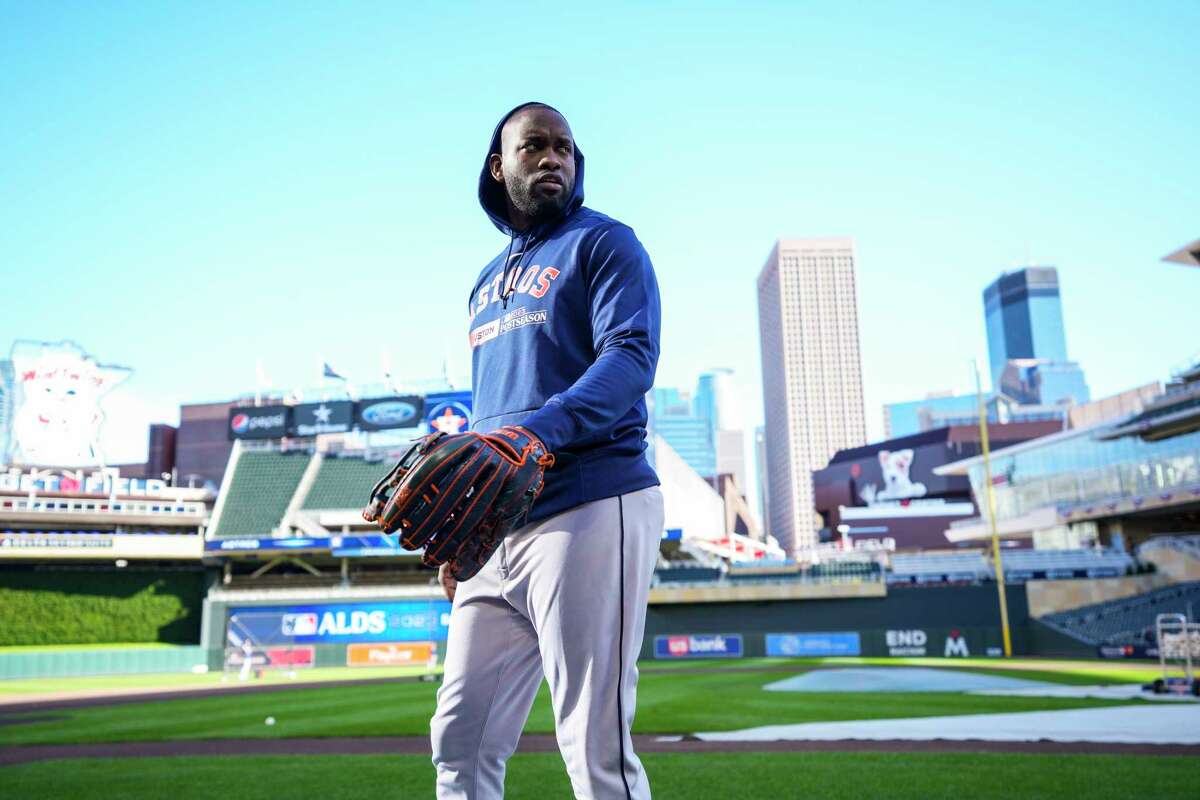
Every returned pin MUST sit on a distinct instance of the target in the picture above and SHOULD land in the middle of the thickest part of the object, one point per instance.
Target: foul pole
(991, 511)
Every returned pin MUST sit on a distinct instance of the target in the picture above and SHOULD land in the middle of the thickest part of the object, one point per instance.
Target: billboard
(55, 403)
(388, 413)
(313, 419)
(382, 622)
(22, 544)
(258, 422)
(699, 645)
(814, 644)
(448, 412)
(339, 545)
(390, 654)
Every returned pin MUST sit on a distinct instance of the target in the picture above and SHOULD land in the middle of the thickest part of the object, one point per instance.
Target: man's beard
(538, 207)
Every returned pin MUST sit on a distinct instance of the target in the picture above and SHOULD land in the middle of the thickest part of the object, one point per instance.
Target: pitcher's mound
(898, 679)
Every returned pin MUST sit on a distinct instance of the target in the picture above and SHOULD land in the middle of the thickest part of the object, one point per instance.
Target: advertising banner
(291, 657)
(387, 413)
(72, 545)
(814, 644)
(405, 621)
(258, 422)
(699, 645)
(941, 642)
(1127, 651)
(301, 657)
(448, 412)
(313, 419)
(391, 654)
(371, 544)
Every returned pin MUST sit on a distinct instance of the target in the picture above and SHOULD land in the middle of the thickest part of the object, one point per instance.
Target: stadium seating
(920, 568)
(686, 572)
(1019, 566)
(1129, 620)
(343, 483)
(1188, 545)
(259, 492)
(1053, 564)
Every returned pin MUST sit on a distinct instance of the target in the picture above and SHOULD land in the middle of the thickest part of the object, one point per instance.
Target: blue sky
(188, 187)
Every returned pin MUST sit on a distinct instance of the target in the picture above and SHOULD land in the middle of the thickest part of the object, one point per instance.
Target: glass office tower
(1023, 314)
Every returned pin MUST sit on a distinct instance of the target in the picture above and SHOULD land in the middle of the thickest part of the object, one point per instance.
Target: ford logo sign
(391, 412)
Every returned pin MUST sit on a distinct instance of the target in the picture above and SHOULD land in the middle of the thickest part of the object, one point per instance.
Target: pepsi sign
(387, 413)
(699, 645)
(258, 422)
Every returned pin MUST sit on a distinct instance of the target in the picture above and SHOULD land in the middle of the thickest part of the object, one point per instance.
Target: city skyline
(241, 201)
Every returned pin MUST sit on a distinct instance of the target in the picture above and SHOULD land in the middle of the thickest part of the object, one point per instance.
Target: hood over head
(492, 192)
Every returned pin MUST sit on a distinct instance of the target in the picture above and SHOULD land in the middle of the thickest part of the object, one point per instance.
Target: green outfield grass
(58, 648)
(831, 776)
(12, 690)
(1075, 672)
(1051, 671)
(667, 703)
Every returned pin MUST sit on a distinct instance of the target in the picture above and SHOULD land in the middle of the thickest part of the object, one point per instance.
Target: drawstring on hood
(494, 200)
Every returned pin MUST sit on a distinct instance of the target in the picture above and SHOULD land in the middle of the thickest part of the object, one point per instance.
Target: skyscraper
(716, 401)
(812, 375)
(1023, 314)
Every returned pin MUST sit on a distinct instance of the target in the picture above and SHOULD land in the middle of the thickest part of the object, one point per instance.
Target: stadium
(822, 419)
(251, 623)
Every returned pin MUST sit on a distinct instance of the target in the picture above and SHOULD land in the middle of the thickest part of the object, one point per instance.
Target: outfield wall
(124, 661)
(925, 621)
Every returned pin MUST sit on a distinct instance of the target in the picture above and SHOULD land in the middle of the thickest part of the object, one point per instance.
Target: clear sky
(185, 188)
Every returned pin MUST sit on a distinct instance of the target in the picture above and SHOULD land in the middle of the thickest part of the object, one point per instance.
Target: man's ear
(496, 168)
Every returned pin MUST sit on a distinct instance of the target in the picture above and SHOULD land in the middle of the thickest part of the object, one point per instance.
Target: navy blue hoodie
(571, 351)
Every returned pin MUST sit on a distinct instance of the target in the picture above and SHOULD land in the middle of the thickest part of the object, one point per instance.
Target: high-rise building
(716, 401)
(689, 434)
(6, 408)
(916, 416)
(1023, 310)
(760, 474)
(1023, 313)
(812, 375)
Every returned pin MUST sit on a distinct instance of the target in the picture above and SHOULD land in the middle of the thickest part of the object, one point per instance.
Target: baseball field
(329, 737)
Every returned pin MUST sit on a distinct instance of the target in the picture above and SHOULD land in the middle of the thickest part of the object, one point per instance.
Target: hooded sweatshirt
(564, 341)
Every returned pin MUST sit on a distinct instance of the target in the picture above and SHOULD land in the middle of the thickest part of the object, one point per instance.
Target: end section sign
(699, 645)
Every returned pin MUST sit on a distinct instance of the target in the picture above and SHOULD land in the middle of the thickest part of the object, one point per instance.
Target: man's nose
(550, 161)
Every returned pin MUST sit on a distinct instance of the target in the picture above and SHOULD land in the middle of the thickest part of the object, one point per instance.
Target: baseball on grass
(269, 720)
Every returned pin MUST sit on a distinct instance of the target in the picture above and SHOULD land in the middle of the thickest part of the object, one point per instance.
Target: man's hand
(449, 584)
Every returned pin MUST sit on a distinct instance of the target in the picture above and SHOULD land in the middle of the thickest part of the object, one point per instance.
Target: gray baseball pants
(564, 598)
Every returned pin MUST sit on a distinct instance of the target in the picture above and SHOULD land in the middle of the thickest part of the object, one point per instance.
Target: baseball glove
(459, 495)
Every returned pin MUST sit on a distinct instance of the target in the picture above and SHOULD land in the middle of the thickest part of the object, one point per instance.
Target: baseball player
(564, 335)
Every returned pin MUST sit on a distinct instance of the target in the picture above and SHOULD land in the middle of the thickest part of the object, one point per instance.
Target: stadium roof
(1189, 255)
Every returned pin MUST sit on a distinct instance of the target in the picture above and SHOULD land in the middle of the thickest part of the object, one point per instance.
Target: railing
(1188, 545)
(82, 507)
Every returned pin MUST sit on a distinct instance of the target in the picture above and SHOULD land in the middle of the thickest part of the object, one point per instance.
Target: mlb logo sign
(299, 625)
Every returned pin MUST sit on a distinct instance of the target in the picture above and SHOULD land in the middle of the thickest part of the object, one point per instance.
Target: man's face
(536, 165)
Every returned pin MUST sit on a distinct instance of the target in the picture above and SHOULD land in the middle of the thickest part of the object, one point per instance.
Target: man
(564, 336)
